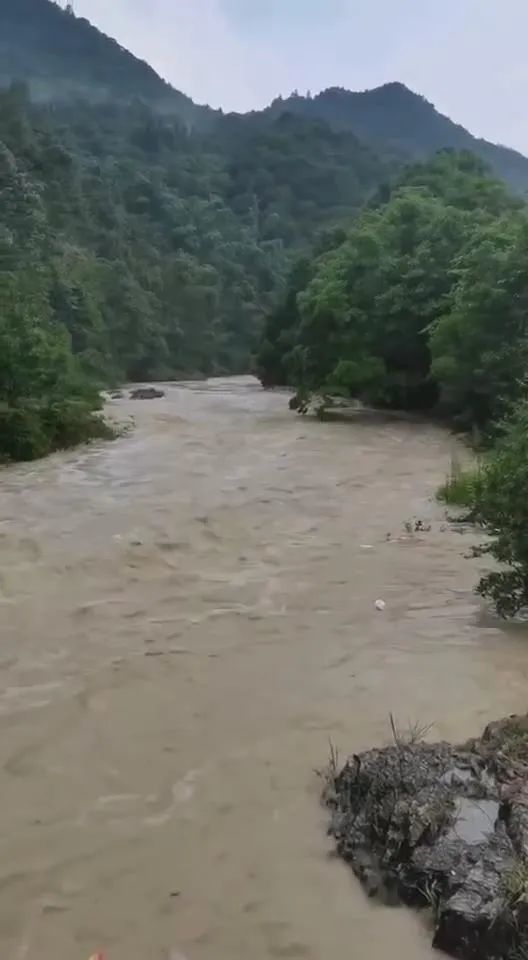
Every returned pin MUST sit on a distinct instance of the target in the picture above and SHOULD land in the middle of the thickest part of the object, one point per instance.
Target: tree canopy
(152, 252)
(422, 305)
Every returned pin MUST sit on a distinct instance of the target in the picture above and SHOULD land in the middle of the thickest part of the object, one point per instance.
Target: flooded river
(187, 616)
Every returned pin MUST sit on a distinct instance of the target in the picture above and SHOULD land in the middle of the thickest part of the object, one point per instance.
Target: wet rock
(146, 393)
(476, 920)
(444, 827)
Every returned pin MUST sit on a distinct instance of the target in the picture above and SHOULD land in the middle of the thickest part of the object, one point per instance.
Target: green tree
(502, 509)
(45, 401)
(480, 345)
(366, 314)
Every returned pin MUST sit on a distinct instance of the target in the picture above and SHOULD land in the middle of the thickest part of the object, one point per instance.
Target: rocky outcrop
(146, 393)
(443, 827)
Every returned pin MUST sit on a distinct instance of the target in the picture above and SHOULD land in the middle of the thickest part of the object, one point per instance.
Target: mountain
(392, 117)
(302, 174)
(62, 56)
(143, 236)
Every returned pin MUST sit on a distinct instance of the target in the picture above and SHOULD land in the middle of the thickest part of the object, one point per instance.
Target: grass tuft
(515, 882)
(461, 486)
(329, 775)
(415, 733)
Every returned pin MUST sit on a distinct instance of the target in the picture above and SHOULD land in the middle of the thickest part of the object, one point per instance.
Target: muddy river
(187, 618)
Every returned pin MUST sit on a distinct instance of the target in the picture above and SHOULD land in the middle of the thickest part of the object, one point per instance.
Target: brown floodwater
(187, 618)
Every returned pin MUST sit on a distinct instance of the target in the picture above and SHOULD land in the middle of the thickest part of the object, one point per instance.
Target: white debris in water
(380, 604)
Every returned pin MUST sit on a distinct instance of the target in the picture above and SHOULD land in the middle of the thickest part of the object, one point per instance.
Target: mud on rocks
(445, 827)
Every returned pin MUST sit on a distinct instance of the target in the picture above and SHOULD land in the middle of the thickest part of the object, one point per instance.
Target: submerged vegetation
(461, 486)
(493, 491)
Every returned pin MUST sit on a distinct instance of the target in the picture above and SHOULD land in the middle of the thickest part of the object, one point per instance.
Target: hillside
(393, 117)
(133, 248)
(301, 175)
(62, 57)
(143, 236)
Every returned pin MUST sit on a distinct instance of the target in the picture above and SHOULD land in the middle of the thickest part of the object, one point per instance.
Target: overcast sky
(467, 56)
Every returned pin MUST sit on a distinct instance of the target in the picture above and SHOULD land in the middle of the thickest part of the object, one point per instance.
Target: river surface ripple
(187, 618)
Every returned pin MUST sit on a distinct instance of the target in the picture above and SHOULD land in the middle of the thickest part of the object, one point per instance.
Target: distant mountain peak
(394, 87)
(393, 117)
(64, 57)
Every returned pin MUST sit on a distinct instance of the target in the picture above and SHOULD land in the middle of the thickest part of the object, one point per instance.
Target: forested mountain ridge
(142, 236)
(132, 249)
(62, 57)
(195, 231)
(393, 117)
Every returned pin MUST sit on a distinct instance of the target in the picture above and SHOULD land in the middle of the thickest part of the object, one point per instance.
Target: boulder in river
(146, 393)
(445, 827)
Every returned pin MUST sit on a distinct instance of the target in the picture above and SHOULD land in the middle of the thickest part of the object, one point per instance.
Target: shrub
(502, 510)
(33, 428)
(461, 486)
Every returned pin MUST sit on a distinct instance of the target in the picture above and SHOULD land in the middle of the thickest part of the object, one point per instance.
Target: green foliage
(515, 883)
(161, 254)
(143, 237)
(65, 57)
(300, 174)
(461, 487)
(144, 251)
(46, 401)
(480, 345)
(279, 358)
(423, 304)
(405, 124)
(502, 509)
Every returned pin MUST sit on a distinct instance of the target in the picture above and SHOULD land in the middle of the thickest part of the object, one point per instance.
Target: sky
(468, 57)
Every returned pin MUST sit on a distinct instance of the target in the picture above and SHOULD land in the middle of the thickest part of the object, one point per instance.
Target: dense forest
(392, 117)
(422, 305)
(145, 250)
(145, 237)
